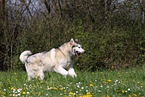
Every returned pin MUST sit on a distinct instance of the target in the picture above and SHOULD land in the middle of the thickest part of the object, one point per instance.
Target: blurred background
(111, 31)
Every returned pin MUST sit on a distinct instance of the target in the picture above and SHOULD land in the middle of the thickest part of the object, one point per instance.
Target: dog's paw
(73, 75)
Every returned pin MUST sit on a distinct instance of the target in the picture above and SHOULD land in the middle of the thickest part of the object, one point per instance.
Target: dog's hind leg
(60, 70)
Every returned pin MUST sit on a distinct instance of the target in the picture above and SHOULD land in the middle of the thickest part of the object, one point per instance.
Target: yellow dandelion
(10, 95)
(129, 95)
(39, 93)
(112, 66)
(71, 93)
(4, 93)
(32, 92)
(141, 83)
(60, 88)
(92, 72)
(109, 80)
(41, 82)
(66, 96)
(64, 90)
(117, 90)
(16, 79)
(24, 92)
(120, 75)
(135, 95)
(51, 87)
(91, 84)
(12, 88)
(88, 93)
(123, 84)
(122, 91)
(15, 73)
(103, 81)
(55, 88)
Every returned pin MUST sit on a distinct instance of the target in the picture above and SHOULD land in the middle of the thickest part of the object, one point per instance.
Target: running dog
(58, 60)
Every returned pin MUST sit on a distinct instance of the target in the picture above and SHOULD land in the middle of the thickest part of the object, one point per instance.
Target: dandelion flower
(109, 80)
(135, 95)
(91, 84)
(24, 92)
(71, 93)
(51, 87)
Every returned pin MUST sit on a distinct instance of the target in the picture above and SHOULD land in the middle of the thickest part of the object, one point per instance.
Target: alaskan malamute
(54, 60)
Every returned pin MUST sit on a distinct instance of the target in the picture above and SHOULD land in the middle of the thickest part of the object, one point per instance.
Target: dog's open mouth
(77, 53)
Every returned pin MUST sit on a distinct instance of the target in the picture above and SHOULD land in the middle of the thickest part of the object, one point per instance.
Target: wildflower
(122, 91)
(41, 82)
(120, 75)
(135, 95)
(24, 92)
(109, 80)
(55, 88)
(71, 93)
(12, 88)
(88, 93)
(128, 89)
(91, 84)
(141, 83)
(51, 87)
(39, 93)
(104, 82)
(60, 88)
(15, 73)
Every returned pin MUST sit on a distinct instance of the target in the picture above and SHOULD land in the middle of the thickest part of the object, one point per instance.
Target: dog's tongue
(77, 53)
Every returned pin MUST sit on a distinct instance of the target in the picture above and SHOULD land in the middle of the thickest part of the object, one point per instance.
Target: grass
(123, 83)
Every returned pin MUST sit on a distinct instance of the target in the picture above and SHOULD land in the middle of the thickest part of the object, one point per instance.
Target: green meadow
(106, 83)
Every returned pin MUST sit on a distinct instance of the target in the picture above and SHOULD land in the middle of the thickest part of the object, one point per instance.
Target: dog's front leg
(60, 70)
(71, 72)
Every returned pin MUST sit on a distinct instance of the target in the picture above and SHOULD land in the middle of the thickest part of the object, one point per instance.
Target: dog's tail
(24, 55)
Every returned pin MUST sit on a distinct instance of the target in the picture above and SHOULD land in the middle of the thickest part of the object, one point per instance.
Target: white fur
(24, 56)
(59, 60)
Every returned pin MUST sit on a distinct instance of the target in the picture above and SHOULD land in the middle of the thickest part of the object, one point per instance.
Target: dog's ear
(72, 41)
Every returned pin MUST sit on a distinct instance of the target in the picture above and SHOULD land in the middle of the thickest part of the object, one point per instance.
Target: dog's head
(76, 48)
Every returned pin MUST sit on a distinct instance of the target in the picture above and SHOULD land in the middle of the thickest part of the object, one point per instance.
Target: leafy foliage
(112, 33)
